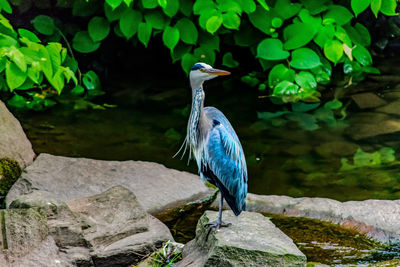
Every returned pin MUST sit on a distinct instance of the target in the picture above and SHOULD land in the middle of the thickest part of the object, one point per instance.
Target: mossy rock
(9, 173)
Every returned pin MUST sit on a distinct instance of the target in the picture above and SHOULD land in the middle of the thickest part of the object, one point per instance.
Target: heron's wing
(225, 160)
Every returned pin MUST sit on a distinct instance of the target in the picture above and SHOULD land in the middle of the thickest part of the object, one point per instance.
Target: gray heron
(215, 145)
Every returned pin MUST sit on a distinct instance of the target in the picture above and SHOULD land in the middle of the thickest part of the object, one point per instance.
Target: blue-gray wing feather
(226, 160)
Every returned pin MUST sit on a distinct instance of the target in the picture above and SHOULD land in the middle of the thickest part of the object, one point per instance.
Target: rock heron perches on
(215, 145)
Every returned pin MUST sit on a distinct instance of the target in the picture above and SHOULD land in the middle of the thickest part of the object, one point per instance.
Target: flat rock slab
(156, 187)
(13, 142)
(251, 240)
(25, 241)
(378, 219)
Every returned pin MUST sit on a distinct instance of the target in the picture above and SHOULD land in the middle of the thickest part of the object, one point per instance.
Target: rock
(377, 219)
(26, 241)
(336, 149)
(251, 240)
(368, 100)
(13, 142)
(134, 248)
(391, 108)
(110, 216)
(107, 229)
(156, 187)
(377, 124)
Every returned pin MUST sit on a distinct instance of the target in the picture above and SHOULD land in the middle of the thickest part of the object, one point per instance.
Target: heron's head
(201, 72)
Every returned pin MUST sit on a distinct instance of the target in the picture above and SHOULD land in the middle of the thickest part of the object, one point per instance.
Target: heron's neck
(196, 115)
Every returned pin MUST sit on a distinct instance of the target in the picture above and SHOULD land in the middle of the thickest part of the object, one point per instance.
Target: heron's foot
(218, 224)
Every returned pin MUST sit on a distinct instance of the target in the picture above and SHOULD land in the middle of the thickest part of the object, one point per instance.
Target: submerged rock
(25, 240)
(107, 229)
(156, 187)
(13, 142)
(251, 240)
(368, 100)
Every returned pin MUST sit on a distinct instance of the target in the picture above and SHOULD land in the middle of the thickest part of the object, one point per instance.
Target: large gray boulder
(13, 142)
(25, 241)
(156, 187)
(107, 229)
(378, 219)
(251, 240)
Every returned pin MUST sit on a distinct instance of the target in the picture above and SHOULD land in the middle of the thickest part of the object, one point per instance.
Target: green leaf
(339, 14)
(204, 16)
(15, 55)
(315, 6)
(4, 5)
(248, 6)
(214, 23)
(188, 31)
(306, 80)
(14, 76)
(172, 8)
(185, 7)
(179, 51)
(98, 28)
(200, 6)
(280, 73)
(362, 55)
(188, 60)
(271, 49)
(144, 33)
(227, 60)
(285, 9)
(286, 88)
(231, 20)
(91, 81)
(388, 7)
(57, 81)
(162, 3)
(204, 54)
(342, 35)
(83, 43)
(333, 50)
(157, 19)
(261, 20)
(333, 104)
(44, 24)
(150, 4)
(129, 22)
(376, 6)
(34, 72)
(7, 41)
(78, 90)
(208, 41)
(304, 58)
(365, 37)
(54, 50)
(359, 6)
(170, 37)
(45, 61)
(113, 14)
(303, 107)
(297, 35)
(114, 3)
(263, 4)
(29, 35)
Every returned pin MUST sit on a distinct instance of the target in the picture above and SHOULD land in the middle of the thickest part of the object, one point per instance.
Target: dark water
(283, 158)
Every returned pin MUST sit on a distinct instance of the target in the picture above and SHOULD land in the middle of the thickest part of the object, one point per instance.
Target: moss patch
(9, 173)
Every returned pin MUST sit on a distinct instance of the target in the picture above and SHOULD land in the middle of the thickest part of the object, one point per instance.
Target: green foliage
(308, 116)
(384, 155)
(295, 41)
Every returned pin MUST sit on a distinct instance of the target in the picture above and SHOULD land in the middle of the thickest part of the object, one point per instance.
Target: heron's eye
(203, 70)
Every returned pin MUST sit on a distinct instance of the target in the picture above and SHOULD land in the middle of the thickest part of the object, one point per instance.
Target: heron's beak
(218, 72)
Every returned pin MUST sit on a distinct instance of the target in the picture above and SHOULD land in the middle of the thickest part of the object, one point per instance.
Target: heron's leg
(219, 223)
